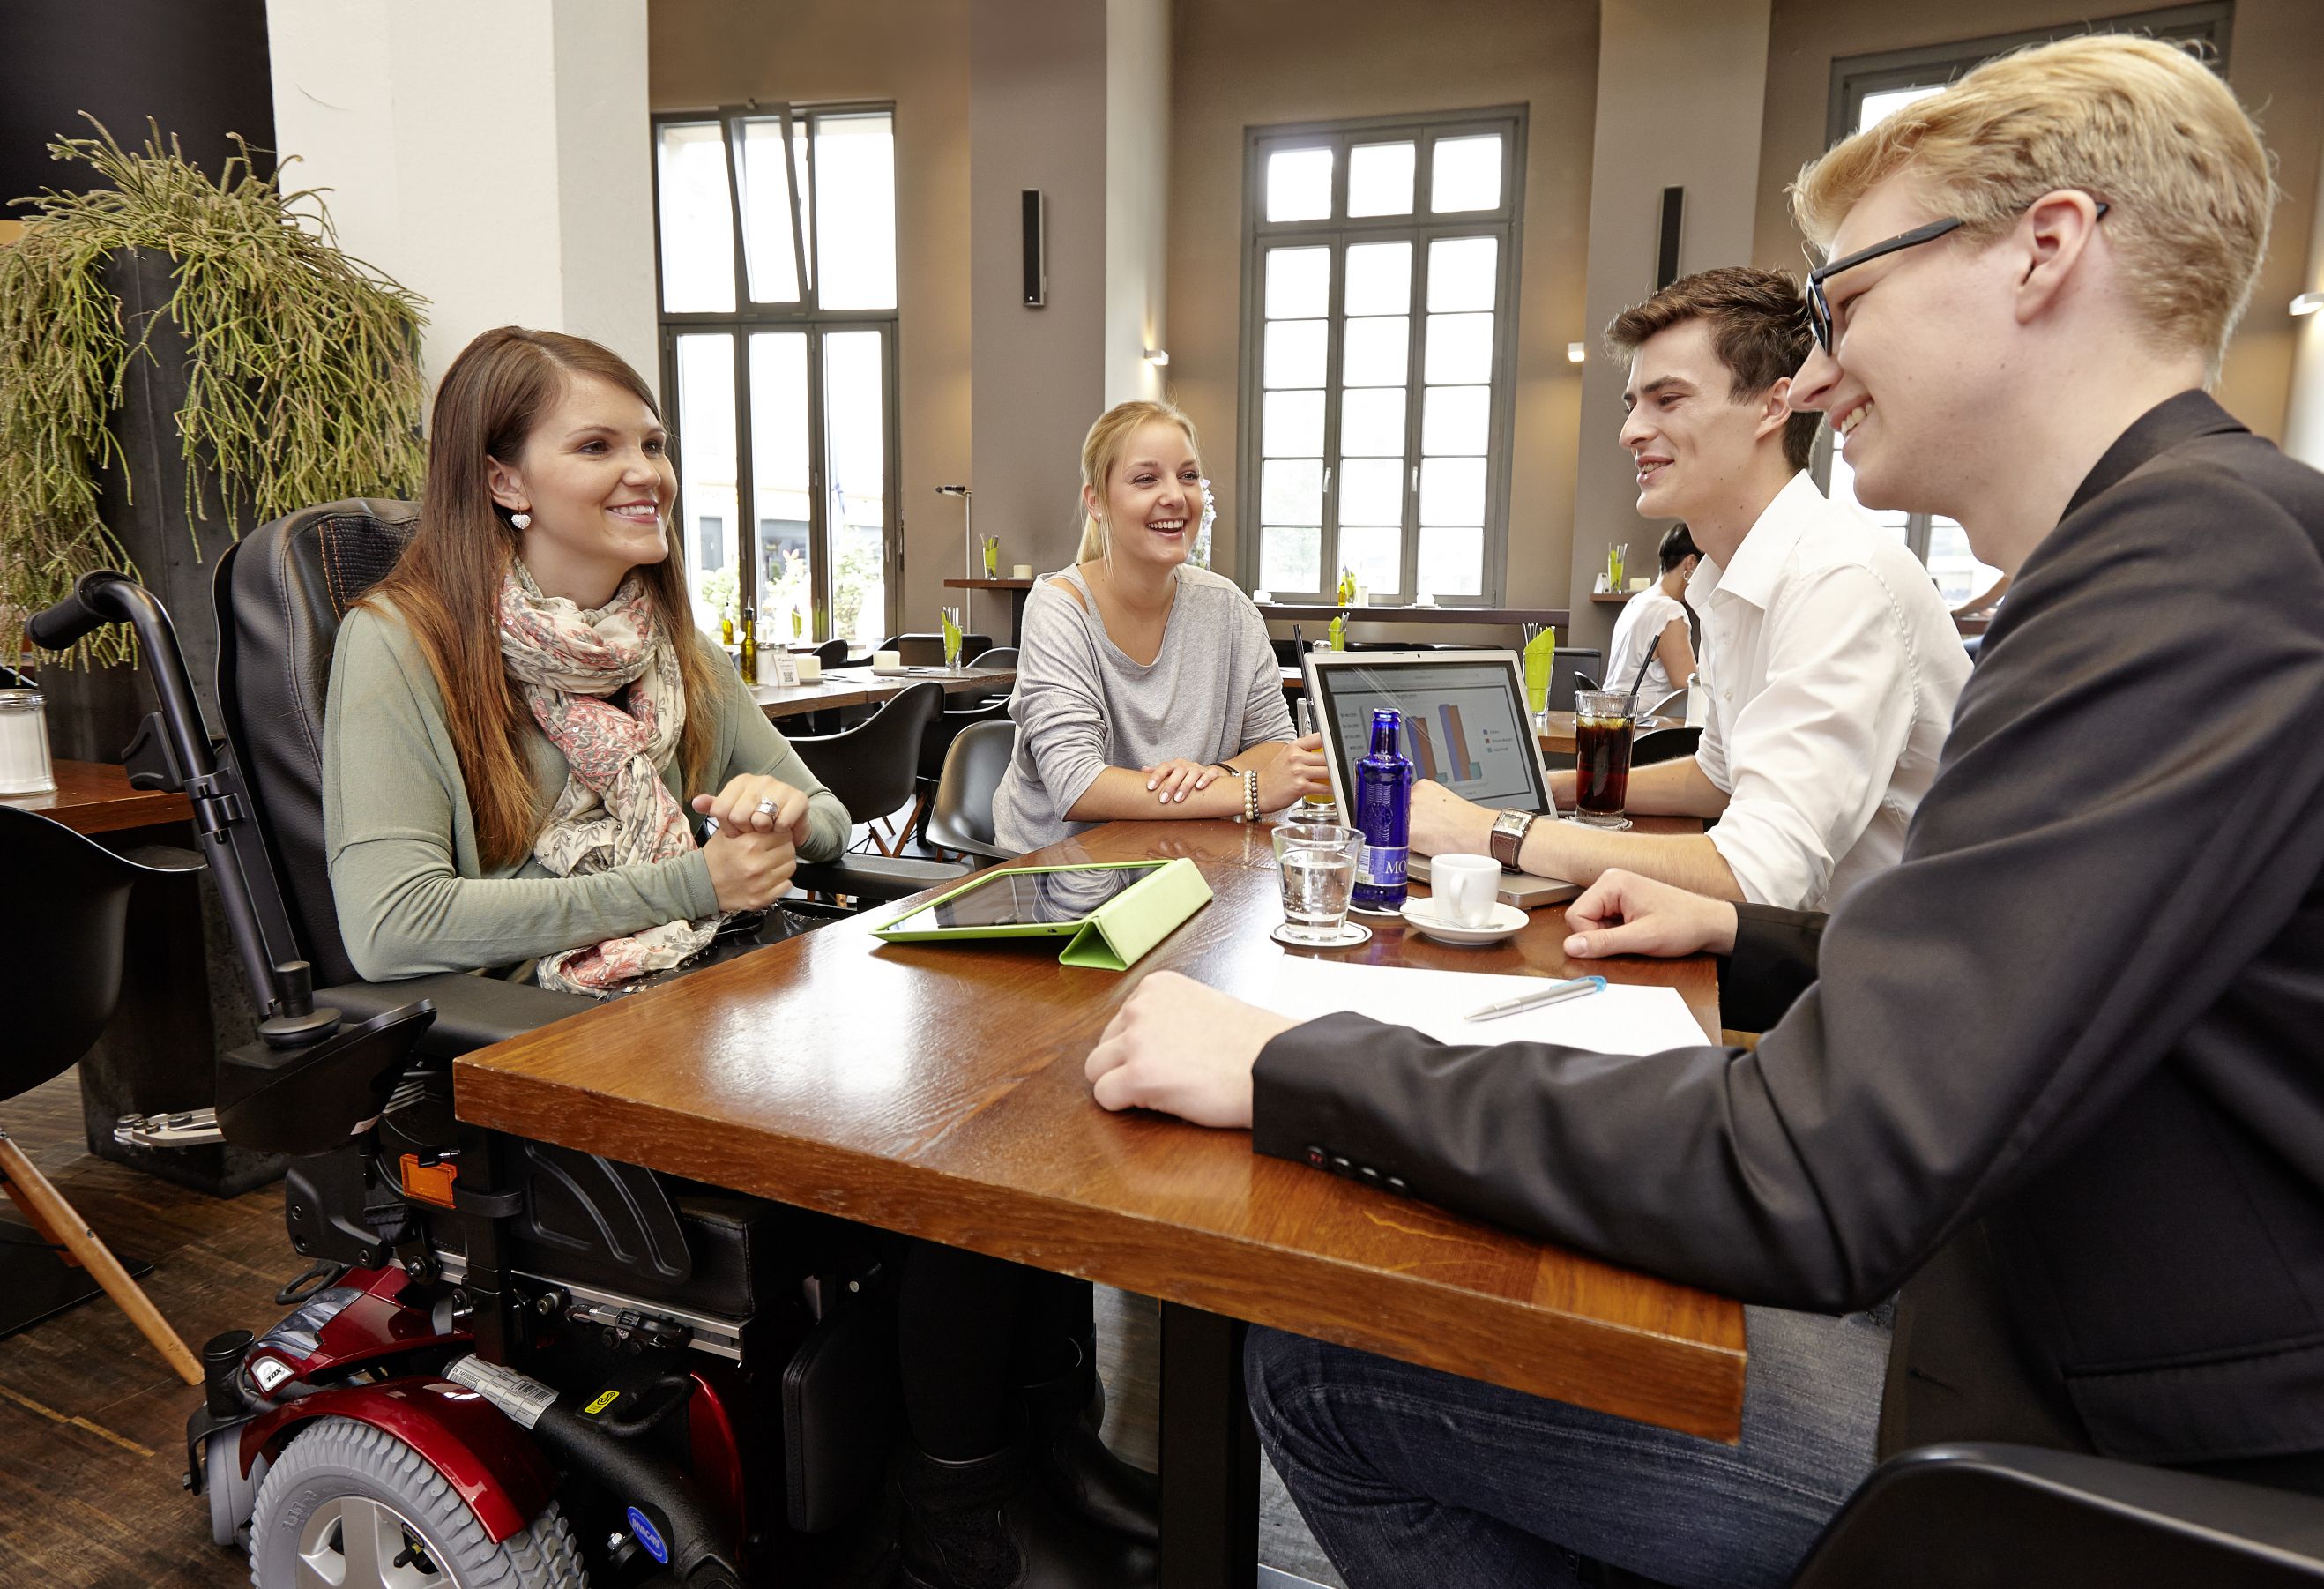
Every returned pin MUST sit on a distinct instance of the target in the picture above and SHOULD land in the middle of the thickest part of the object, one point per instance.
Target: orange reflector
(429, 1183)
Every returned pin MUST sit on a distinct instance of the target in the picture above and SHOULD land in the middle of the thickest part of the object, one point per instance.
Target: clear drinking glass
(1319, 874)
(951, 637)
(1602, 726)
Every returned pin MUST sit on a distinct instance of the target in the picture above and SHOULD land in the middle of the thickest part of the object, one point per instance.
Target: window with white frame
(1865, 90)
(776, 240)
(1379, 308)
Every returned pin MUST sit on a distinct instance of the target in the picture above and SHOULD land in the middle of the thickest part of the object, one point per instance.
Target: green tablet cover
(1110, 938)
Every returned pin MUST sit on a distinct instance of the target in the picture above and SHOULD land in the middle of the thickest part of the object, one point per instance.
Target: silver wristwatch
(1508, 836)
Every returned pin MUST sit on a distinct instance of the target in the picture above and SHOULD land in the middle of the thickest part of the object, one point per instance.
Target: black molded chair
(64, 979)
(1970, 1515)
(1663, 744)
(831, 653)
(961, 817)
(871, 766)
(1566, 667)
(926, 651)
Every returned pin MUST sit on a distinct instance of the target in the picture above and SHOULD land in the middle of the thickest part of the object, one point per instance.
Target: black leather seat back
(280, 594)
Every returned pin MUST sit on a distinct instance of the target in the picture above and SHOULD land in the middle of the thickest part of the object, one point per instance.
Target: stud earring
(522, 521)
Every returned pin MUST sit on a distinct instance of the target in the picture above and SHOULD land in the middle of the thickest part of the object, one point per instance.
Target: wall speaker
(1666, 242)
(1036, 248)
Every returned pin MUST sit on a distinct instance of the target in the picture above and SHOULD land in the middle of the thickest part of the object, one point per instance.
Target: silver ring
(766, 807)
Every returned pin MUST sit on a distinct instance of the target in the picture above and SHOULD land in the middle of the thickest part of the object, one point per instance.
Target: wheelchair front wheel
(355, 1508)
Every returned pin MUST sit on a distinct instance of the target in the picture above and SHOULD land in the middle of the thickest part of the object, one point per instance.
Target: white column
(493, 159)
(1709, 57)
(1136, 196)
(2303, 418)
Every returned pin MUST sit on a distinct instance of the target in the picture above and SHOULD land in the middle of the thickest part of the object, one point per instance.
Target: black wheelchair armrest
(876, 877)
(1953, 1516)
(471, 1012)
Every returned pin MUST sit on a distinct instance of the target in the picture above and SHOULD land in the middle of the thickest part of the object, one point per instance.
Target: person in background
(1145, 689)
(1834, 664)
(1656, 628)
(2054, 1073)
(519, 715)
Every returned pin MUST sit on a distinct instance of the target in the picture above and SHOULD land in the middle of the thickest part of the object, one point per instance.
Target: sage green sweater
(414, 899)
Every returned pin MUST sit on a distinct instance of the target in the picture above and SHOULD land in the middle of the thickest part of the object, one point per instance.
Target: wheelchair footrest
(184, 1128)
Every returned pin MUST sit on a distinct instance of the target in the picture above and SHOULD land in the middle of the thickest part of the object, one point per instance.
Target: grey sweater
(414, 898)
(1082, 705)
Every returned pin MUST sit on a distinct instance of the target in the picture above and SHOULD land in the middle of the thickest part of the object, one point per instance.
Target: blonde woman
(1145, 689)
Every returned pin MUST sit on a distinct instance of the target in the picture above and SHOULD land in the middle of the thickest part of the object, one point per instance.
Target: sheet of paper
(1620, 1020)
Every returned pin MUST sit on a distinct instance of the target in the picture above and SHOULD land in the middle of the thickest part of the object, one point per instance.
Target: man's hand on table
(1623, 913)
(1443, 824)
(1183, 1049)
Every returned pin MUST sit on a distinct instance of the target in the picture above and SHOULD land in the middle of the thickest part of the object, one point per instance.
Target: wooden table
(856, 687)
(1557, 732)
(95, 797)
(938, 1092)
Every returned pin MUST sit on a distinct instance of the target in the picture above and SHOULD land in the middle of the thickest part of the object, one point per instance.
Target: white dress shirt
(1835, 668)
(1637, 634)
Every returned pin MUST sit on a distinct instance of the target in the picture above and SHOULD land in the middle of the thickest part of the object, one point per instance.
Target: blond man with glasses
(2052, 1075)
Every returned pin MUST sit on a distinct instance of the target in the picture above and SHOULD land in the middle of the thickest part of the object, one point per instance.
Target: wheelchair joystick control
(295, 1021)
(221, 1356)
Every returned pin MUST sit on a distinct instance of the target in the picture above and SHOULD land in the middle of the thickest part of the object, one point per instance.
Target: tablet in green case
(1113, 911)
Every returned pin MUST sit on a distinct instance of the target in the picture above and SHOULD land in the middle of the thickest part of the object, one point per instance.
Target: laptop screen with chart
(1465, 726)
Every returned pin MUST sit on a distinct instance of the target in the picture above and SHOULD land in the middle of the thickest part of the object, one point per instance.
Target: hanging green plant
(303, 382)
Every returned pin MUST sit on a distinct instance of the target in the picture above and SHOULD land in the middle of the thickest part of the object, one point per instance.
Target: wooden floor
(92, 1423)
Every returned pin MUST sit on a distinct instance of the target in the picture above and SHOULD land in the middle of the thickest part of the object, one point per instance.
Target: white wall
(491, 158)
(1137, 195)
(1681, 85)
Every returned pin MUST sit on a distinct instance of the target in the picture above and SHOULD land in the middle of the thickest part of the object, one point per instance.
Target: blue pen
(1554, 994)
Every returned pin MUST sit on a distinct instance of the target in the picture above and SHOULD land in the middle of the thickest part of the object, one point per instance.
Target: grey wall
(1680, 84)
(1037, 118)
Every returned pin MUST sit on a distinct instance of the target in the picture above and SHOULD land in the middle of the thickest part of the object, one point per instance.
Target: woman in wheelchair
(519, 716)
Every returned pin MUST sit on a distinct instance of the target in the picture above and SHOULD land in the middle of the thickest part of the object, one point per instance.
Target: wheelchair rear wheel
(352, 1507)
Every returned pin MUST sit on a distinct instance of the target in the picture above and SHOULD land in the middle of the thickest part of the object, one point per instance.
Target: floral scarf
(603, 685)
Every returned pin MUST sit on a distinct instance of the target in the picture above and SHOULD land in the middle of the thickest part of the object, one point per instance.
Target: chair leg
(54, 1218)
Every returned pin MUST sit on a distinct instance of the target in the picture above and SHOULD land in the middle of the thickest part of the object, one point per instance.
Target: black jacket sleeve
(2126, 818)
(1774, 963)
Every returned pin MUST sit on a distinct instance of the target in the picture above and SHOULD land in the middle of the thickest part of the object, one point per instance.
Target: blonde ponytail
(1102, 449)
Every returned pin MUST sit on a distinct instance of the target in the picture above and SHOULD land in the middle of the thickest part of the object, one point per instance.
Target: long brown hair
(447, 586)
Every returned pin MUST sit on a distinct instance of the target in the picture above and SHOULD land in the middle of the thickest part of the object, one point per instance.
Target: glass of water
(1319, 871)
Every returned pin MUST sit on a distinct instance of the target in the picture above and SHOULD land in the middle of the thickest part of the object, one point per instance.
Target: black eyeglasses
(1819, 307)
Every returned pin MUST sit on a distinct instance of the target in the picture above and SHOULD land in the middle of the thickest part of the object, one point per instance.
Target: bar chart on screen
(1452, 763)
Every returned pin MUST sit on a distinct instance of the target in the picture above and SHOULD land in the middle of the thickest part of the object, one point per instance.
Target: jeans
(1410, 1476)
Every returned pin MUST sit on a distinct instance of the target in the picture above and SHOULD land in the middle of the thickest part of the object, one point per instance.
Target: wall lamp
(1157, 356)
(2308, 303)
(1575, 352)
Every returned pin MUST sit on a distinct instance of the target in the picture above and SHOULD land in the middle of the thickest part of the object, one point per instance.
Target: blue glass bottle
(1383, 815)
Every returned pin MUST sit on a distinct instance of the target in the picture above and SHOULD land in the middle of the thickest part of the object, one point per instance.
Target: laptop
(1465, 726)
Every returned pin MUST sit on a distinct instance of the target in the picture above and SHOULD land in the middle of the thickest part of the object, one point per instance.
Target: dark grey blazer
(2059, 1073)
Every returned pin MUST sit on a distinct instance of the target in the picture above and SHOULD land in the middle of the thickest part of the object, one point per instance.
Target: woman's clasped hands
(1296, 772)
(762, 821)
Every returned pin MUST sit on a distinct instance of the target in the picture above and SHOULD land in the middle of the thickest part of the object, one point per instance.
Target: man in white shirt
(1655, 630)
(1833, 663)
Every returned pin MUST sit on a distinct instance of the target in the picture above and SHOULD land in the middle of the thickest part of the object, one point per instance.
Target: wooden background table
(938, 1090)
(95, 797)
(856, 687)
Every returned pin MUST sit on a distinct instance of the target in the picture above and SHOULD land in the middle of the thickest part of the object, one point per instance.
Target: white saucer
(1421, 915)
(1351, 933)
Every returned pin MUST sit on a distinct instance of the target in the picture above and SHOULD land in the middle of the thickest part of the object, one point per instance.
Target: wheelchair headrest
(280, 594)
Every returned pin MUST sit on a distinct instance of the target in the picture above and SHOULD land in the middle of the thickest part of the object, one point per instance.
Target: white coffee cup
(810, 669)
(887, 662)
(1463, 887)
(1022, 571)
